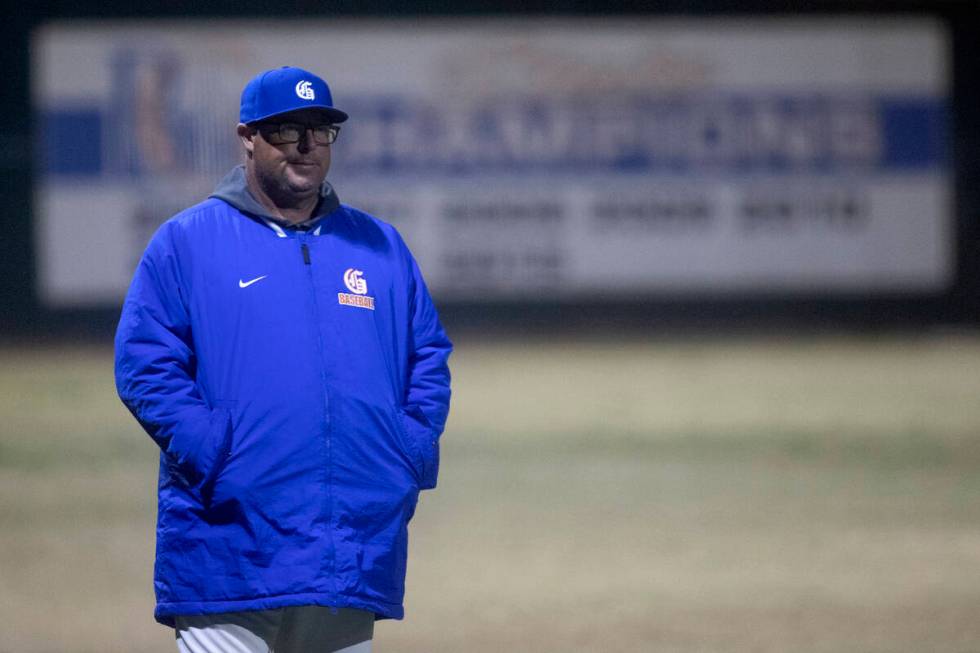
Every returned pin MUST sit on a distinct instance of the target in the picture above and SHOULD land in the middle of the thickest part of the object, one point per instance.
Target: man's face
(290, 173)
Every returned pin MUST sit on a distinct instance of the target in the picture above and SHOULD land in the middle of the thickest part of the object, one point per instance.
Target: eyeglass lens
(290, 132)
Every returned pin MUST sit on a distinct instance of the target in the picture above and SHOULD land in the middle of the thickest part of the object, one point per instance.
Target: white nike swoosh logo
(246, 284)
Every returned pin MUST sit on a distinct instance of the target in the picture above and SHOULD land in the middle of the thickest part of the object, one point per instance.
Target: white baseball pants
(301, 629)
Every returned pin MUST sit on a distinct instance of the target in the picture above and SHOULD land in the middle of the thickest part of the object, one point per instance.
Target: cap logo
(304, 90)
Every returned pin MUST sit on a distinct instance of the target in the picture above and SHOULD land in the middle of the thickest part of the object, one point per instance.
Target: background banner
(530, 160)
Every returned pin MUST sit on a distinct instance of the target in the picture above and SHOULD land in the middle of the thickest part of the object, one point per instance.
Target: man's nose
(305, 142)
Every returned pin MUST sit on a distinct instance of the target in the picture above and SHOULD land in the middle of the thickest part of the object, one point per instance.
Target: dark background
(23, 318)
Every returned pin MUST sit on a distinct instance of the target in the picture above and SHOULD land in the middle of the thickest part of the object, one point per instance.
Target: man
(282, 350)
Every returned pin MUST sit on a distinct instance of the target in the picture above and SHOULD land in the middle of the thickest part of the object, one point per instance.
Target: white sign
(533, 158)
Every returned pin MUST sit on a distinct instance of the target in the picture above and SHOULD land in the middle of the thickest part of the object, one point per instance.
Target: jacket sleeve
(155, 369)
(427, 398)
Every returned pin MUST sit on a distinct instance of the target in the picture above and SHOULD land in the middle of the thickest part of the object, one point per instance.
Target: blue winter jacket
(297, 385)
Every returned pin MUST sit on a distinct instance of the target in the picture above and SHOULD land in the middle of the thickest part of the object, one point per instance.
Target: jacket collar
(233, 189)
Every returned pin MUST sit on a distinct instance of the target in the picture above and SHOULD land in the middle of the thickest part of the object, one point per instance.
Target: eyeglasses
(292, 132)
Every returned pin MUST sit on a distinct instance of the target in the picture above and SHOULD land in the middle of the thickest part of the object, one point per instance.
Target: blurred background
(711, 268)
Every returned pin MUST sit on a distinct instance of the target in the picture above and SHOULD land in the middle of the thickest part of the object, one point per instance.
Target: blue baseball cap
(285, 89)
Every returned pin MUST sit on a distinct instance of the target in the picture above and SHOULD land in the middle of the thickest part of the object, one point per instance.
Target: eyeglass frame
(271, 127)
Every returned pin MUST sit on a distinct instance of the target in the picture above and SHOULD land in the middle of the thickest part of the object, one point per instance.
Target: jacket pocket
(198, 450)
(424, 446)
(220, 437)
(408, 445)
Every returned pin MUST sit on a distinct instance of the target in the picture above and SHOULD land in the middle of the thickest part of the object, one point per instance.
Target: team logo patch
(355, 281)
(357, 284)
(304, 90)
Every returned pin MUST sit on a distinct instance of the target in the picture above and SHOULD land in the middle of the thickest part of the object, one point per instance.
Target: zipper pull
(306, 253)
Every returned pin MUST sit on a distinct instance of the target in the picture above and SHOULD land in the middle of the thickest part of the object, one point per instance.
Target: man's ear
(246, 135)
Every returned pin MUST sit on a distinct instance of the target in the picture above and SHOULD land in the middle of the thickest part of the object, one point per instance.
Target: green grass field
(717, 495)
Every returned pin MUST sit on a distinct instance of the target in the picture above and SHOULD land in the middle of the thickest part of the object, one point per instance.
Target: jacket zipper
(305, 250)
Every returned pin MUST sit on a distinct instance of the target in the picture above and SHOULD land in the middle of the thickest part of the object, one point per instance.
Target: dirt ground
(717, 495)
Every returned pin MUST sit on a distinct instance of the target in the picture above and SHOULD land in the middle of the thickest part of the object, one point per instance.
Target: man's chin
(304, 184)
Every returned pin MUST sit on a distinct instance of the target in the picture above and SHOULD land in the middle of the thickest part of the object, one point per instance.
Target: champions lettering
(715, 132)
(361, 301)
